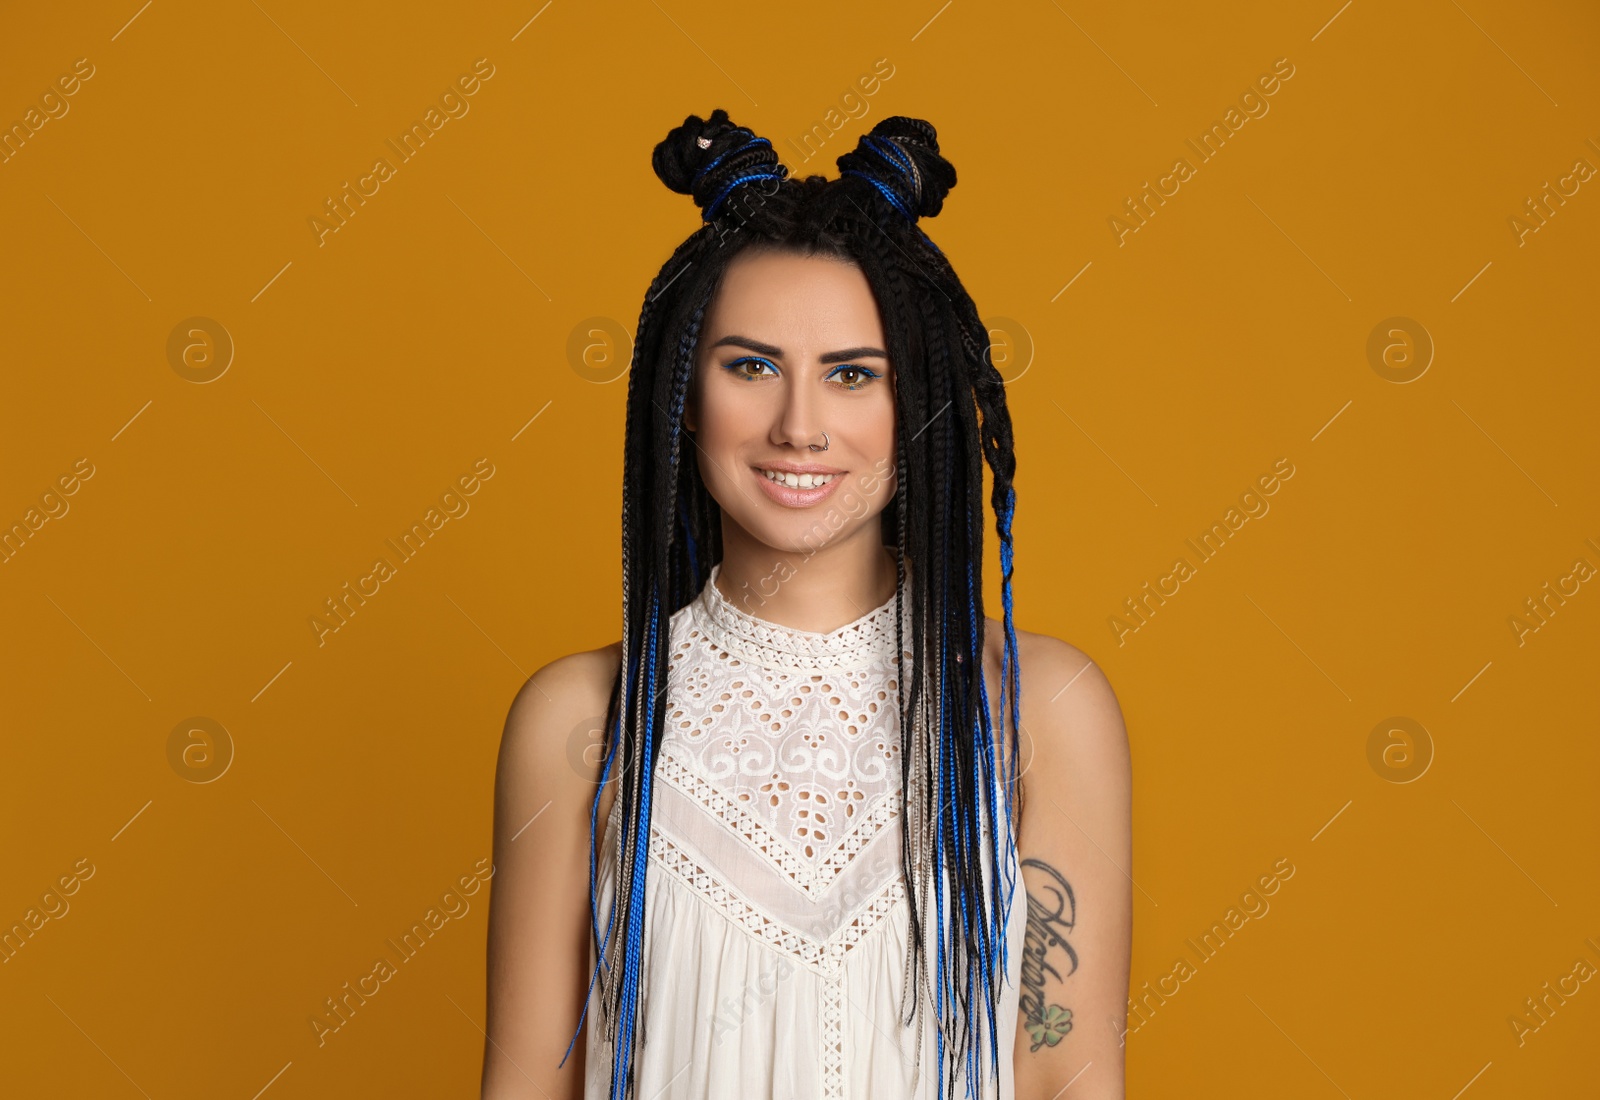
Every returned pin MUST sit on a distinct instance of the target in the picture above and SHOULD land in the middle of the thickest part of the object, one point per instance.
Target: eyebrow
(827, 357)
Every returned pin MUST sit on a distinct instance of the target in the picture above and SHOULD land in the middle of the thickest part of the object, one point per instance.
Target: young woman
(800, 865)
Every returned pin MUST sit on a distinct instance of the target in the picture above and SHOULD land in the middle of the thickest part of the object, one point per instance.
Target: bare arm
(1075, 845)
(538, 949)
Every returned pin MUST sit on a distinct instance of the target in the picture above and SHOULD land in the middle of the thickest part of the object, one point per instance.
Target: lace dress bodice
(777, 912)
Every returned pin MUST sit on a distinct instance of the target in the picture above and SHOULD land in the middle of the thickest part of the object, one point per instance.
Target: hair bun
(707, 158)
(900, 158)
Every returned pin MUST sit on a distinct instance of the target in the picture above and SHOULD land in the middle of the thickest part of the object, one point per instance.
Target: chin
(797, 537)
(793, 534)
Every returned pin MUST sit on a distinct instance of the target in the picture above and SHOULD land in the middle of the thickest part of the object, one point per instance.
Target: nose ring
(825, 443)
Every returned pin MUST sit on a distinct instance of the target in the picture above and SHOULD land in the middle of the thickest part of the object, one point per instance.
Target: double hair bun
(709, 158)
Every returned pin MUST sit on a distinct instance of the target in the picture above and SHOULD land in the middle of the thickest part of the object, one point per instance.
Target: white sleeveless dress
(777, 911)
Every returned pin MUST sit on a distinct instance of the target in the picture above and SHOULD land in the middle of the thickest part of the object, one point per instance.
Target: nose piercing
(825, 443)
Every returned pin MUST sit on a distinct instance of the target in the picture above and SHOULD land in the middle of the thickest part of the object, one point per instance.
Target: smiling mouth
(796, 481)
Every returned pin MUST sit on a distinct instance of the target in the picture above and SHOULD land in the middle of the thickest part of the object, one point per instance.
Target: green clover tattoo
(1051, 1028)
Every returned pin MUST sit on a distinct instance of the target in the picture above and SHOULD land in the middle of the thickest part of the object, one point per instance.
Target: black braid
(951, 419)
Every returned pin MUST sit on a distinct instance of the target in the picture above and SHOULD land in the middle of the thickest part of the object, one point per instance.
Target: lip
(796, 498)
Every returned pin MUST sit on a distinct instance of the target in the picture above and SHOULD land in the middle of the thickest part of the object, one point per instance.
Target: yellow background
(433, 330)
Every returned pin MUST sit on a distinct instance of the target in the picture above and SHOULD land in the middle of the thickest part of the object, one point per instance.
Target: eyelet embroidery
(813, 877)
(824, 956)
(742, 634)
(790, 740)
(794, 749)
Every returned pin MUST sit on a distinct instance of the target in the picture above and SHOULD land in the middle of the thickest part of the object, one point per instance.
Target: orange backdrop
(1289, 297)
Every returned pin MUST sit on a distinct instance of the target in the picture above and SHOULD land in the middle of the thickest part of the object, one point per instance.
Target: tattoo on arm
(1052, 912)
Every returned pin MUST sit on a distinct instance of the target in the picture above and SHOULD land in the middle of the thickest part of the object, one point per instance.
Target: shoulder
(571, 683)
(556, 706)
(1070, 713)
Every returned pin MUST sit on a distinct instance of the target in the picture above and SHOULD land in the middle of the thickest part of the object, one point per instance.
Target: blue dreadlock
(671, 539)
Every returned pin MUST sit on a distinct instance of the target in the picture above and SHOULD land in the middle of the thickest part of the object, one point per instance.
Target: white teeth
(798, 481)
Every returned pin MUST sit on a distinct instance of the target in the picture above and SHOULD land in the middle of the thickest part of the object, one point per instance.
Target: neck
(813, 591)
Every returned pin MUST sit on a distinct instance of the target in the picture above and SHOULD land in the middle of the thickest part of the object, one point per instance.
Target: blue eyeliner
(871, 375)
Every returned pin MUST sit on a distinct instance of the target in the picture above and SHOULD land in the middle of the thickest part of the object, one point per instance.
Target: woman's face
(791, 347)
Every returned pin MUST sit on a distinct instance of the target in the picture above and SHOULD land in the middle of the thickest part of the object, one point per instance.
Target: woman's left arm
(1075, 845)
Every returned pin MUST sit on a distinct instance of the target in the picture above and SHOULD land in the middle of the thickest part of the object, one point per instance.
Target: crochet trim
(856, 645)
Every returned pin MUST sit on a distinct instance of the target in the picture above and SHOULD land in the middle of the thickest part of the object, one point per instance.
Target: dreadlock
(951, 418)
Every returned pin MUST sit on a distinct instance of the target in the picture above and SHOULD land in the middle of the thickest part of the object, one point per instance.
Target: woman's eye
(853, 377)
(738, 367)
(751, 368)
